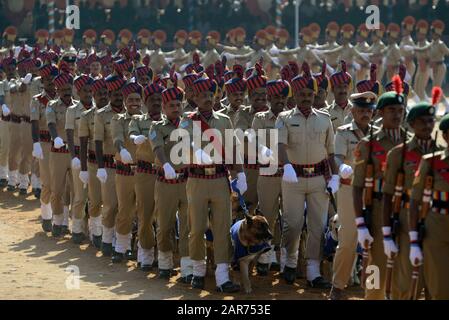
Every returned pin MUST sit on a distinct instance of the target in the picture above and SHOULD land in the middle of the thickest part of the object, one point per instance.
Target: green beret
(444, 124)
(420, 109)
(390, 98)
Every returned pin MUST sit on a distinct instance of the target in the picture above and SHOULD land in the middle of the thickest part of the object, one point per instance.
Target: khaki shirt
(439, 183)
(406, 52)
(242, 51)
(244, 118)
(56, 113)
(411, 164)
(141, 125)
(339, 116)
(120, 125)
(265, 120)
(438, 50)
(157, 61)
(160, 138)
(103, 129)
(381, 145)
(86, 126)
(72, 120)
(210, 57)
(393, 55)
(38, 109)
(376, 50)
(347, 138)
(423, 56)
(308, 140)
(231, 113)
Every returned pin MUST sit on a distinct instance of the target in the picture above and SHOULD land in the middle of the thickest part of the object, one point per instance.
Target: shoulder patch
(184, 123)
(153, 135)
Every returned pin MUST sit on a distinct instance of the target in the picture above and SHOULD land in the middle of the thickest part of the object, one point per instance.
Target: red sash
(43, 100)
(442, 168)
(412, 157)
(379, 152)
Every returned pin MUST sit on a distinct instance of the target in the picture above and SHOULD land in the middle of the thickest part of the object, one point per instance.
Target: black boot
(319, 283)
(262, 269)
(198, 282)
(78, 238)
(46, 225)
(117, 257)
(96, 240)
(3, 183)
(56, 231)
(65, 230)
(11, 188)
(145, 267)
(106, 249)
(129, 255)
(289, 275)
(23, 192)
(165, 274)
(37, 193)
(228, 287)
(186, 279)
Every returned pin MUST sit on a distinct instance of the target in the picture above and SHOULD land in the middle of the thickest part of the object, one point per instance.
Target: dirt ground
(33, 266)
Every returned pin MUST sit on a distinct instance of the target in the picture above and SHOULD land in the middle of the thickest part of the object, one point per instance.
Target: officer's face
(85, 94)
(236, 98)
(133, 103)
(154, 103)
(172, 109)
(65, 92)
(423, 126)
(341, 92)
(362, 116)
(304, 98)
(320, 99)
(392, 116)
(258, 98)
(205, 100)
(95, 68)
(116, 98)
(101, 97)
(277, 103)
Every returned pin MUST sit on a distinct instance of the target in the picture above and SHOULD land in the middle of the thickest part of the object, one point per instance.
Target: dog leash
(241, 199)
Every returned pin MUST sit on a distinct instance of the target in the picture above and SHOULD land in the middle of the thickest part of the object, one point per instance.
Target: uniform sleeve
(241, 121)
(34, 110)
(257, 123)
(133, 127)
(70, 119)
(341, 147)
(83, 126)
(98, 128)
(156, 137)
(444, 49)
(282, 130)
(391, 172)
(360, 160)
(420, 180)
(118, 132)
(330, 139)
(50, 114)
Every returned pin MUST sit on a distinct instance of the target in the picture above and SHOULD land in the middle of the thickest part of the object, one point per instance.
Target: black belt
(208, 171)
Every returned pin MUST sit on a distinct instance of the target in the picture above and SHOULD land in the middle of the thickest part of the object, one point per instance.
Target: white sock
(77, 225)
(108, 234)
(58, 220)
(35, 182)
(12, 178)
(165, 260)
(199, 268)
(145, 256)
(222, 273)
(46, 212)
(66, 215)
(95, 226)
(313, 269)
(24, 181)
(4, 173)
(186, 266)
(122, 242)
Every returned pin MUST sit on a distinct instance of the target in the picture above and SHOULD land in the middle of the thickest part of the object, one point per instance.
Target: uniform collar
(297, 111)
(214, 114)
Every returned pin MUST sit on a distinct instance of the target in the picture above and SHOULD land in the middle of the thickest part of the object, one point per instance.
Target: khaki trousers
(145, 208)
(109, 198)
(347, 238)
(4, 146)
(439, 72)
(93, 191)
(313, 192)
(60, 175)
(251, 197)
(203, 194)
(15, 147)
(269, 193)
(126, 198)
(421, 80)
(169, 199)
(44, 171)
(27, 148)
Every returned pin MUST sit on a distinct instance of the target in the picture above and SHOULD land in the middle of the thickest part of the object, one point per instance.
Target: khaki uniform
(346, 140)
(348, 53)
(303, 54)
(309, 142)
(4, 132)
(402, 272)
(381, 145)
(241, 54)
(393, 58)
(423, 75)
(103, 133)
(363, 72)
(170, 197)
(210, 57)
(244, 120)
(231, 113)
(376, 51)
(60, 161)
(436, 239)
(406, 46)
(268, 186)
(438, 51)
(86, 127)
(145, 179)
(209, 190)
(339, 116)
(157, 61)
(178, 55)
(125, 183)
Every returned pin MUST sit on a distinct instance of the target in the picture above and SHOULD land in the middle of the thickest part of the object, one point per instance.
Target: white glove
(202, 157)
(84, 177)
(334, 183)
(289, 174)
(241, 182)
(139, 139)
(5, 110)
(345, 171)
(37, 151)
(58, 143)
(390, 248)
(126, 156)
(102, 175)
(169, 172)
(27, 78)
(415, 256)
(76, 164)
(363, 234)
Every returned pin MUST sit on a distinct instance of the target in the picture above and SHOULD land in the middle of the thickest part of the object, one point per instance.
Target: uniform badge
(184, 124)
(48, 110)
(153, 135)
(279, 124)
(400, 99)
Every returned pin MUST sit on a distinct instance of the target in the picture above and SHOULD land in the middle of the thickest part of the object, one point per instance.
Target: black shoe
(11, 188)
(262, 269)
(23, 192)
(96, 240)
(117, 257)
(56, 231)
(186, 279)
(336, 294)
(145, 267)
(46, 225)
(129, 255)
(198, 282)
(3, 183)
(289, 274)
(65, 230)
(155, 264)
(37, 193)
(275, 266)
(229, 287)
(165, 274)
(319, 283)
(78, 238)
(106, 249)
